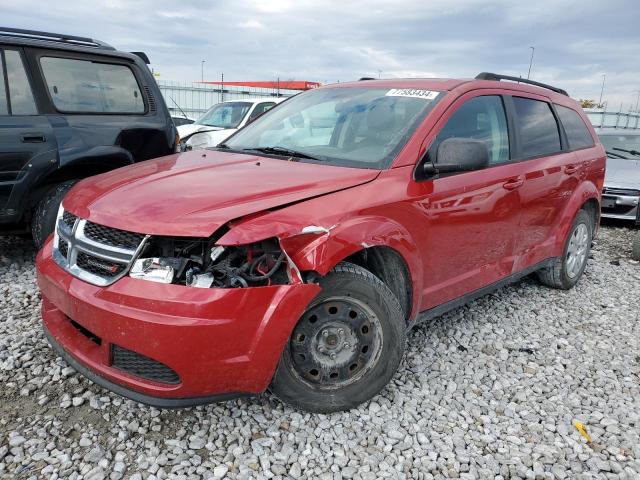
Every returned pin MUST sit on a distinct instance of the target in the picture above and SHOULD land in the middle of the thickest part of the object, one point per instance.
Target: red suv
(297, 255)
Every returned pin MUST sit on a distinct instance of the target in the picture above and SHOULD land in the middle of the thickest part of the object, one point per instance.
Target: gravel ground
(491, 390)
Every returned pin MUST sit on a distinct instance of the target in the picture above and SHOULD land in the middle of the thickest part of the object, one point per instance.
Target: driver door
(470, 219)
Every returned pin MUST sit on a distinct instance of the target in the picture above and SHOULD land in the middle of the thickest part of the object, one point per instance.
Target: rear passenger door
(549, 177)
(26, 137)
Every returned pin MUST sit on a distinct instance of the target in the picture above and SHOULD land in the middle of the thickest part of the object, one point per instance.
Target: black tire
(559, 274)
(635, 249)
(44, 215)
(355, 286)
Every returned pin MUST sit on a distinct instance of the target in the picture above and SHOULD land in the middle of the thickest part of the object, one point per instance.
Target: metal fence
(196, 98)
(602, 119)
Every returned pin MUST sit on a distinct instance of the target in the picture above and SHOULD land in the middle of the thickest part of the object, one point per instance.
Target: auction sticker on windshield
(412, 92)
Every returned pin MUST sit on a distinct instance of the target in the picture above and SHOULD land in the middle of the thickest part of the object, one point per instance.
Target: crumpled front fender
(320, 246)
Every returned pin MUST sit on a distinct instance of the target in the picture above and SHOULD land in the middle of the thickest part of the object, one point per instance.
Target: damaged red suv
(297, 255)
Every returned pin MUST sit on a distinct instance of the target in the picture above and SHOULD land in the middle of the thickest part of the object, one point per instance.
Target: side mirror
(458, 155)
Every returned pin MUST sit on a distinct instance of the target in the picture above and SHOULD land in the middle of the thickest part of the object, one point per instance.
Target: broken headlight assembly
(201, 264)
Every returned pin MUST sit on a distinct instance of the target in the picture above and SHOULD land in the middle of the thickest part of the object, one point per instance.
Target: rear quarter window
(537, 127)
(577, 132)
(84, 86)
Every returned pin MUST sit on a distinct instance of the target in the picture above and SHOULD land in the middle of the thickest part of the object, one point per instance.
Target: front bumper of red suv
(169, 345)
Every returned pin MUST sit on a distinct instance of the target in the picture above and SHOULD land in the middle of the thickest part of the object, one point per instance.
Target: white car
(223, 119)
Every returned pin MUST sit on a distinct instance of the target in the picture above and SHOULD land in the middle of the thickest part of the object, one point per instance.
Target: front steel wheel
(336, 343)
(346, 346)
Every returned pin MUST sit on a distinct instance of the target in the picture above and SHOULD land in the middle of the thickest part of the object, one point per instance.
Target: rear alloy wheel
(346, 346)
(565, 271)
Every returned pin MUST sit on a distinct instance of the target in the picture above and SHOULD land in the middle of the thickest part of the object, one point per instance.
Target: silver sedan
(621, 193)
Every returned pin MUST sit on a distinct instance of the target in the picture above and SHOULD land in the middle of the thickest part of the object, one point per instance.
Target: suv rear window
(537, 126)
(577, 133)
(85, 86)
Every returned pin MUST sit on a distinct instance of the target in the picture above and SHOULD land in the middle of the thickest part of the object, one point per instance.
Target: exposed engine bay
(200, 263)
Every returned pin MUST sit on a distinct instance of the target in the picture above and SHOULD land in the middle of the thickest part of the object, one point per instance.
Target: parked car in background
(297, 255)
(70, 107)
(621, 194)
(222, 120)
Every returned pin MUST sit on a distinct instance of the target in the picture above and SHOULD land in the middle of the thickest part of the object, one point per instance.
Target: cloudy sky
(576, 41)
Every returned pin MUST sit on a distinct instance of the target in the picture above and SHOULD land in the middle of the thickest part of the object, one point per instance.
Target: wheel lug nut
(346, 345)
(325, 333)
(333, 356)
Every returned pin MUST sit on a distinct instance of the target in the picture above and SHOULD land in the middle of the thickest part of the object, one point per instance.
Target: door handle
(513, 183)
(33, 138)
(571, 168)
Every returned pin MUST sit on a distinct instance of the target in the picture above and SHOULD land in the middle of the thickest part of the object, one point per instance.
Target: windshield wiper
(282, 151)
(632, 152)
(614, 154)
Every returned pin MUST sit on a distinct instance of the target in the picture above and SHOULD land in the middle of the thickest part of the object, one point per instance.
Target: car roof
(53, 41)
(450, 84)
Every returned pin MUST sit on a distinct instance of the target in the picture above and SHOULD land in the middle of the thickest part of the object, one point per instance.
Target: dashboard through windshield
(353, 127)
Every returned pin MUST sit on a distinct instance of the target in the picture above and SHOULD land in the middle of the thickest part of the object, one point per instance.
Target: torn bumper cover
(169, 345)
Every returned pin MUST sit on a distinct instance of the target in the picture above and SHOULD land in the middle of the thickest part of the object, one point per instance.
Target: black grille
(619, 210)
(141, 366)
(63, 248)
(98, 266)
(69, 219)
(150, 99)
(112, 236)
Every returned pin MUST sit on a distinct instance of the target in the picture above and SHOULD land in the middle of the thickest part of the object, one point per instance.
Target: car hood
(195, 193)
(622, 173)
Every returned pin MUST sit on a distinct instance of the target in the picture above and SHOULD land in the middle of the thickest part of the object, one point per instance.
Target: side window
(537, 126)
(85, 86)
(4, 108)
(577, 132)
(20, 94)
(260, 109)
(481, 118)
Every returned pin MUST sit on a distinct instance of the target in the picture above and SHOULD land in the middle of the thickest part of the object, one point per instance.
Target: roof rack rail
(498, 77)
(55, 37)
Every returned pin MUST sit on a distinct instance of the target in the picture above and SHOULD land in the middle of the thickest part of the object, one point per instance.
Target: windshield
(622, 146)
(225, 115)
(354, 127)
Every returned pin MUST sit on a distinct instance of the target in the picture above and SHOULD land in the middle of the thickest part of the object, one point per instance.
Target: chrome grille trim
(77, 241)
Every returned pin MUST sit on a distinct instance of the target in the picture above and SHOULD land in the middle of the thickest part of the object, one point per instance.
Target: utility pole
(604, 76)
(222, 87)
(278, 86)
(533, 49)
(379, 73)
(637, 101)
(202, 71)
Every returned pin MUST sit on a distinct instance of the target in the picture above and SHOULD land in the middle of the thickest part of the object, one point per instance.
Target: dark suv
(70, 107)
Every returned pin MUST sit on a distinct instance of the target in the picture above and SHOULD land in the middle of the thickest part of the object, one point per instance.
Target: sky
(576, 41)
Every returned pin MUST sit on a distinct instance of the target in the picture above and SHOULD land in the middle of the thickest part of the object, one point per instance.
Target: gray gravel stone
(490, 390)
